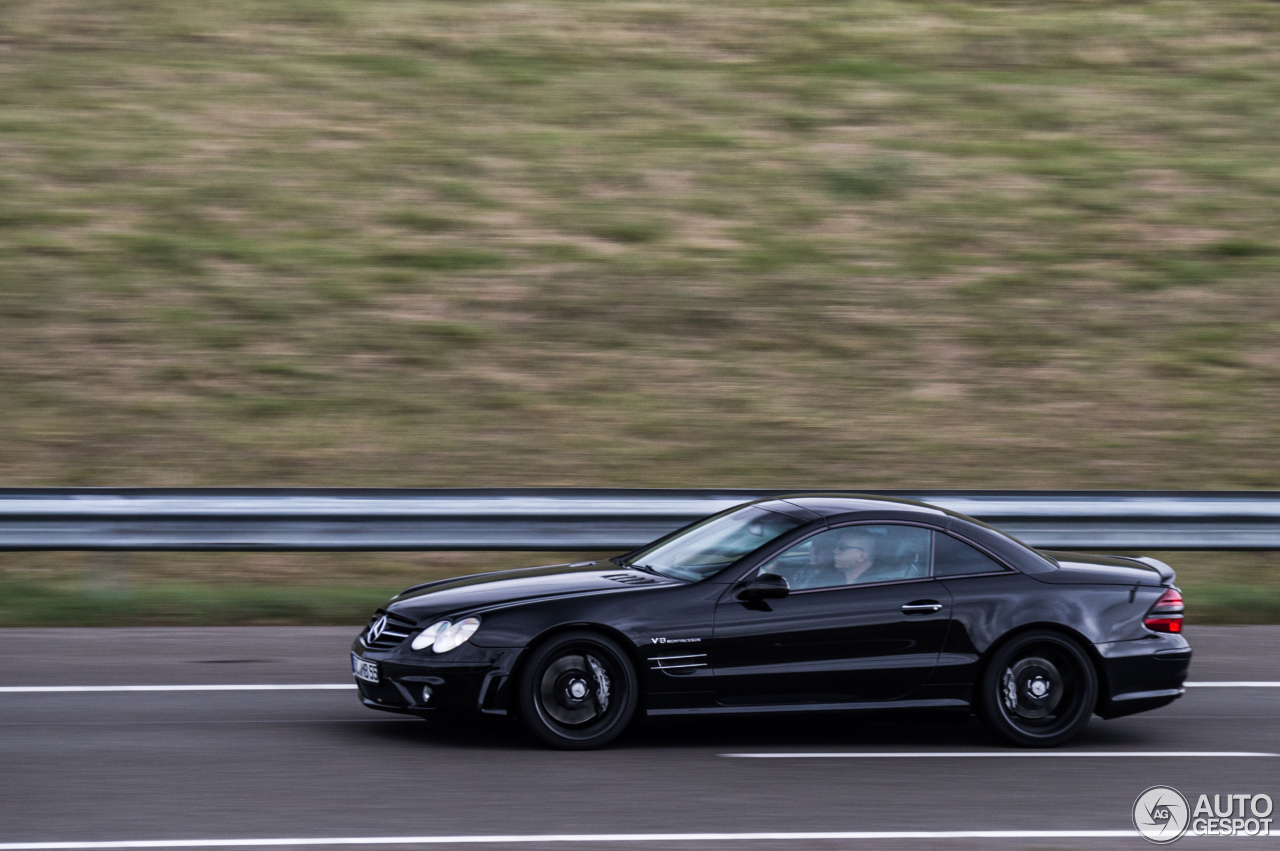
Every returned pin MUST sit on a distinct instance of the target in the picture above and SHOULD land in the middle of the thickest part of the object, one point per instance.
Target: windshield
(716, 543)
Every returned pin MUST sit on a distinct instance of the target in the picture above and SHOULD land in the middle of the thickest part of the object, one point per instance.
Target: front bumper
(1142, 674)
(469, 680)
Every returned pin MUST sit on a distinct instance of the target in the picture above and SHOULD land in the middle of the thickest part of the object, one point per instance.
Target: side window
(953, 557)
(855, 555)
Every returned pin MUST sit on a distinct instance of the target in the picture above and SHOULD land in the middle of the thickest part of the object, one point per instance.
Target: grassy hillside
(667, 243)
(639, 242)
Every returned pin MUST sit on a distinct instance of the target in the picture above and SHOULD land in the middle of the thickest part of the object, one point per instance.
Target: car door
(984, 595)
(841, 635)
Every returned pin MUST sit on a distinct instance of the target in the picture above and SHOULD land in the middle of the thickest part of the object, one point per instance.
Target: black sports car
(798, 604)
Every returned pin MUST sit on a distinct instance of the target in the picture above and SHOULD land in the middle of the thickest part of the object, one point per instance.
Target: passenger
(822, 572)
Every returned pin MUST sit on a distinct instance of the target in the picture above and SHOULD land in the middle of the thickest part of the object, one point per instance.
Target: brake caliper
(1010, 688)
(602, 683)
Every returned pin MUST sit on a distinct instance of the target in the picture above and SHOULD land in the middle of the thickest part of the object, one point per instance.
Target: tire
(1038, 690)
(578, 691)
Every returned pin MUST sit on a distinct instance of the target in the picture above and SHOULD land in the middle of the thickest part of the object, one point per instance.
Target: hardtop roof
(826, 505)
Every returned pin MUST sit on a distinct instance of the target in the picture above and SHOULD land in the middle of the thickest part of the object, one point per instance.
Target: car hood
(1081, 569)
(484, 590)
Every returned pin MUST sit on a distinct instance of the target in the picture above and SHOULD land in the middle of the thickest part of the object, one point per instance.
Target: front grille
(391, 629)
(630, 578)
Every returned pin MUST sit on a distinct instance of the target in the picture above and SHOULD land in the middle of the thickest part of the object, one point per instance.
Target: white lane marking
(349, 686)
(980, 754)
(778, 836)
(230, 687)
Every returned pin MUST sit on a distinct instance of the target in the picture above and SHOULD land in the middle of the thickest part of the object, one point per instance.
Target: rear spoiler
(1167, 574)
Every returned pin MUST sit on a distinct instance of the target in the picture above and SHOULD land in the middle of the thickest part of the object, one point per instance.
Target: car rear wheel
(1038, 690)
(578, 691)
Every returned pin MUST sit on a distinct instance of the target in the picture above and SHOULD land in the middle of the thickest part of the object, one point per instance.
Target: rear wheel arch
(1085, 644)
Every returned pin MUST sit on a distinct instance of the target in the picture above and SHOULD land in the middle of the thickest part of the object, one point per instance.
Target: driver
(855, 553)
(839, 557)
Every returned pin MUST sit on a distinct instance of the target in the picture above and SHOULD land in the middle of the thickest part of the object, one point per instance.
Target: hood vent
(630, 579)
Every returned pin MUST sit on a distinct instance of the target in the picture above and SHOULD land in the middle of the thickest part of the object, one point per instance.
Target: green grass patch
(420, 221)
(381, 64)
(172, 604)
(880, 177)
(443, 260)
(1234, 604)
(29, 604)
(224, 589)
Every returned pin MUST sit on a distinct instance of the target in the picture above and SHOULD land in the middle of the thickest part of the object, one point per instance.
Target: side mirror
(766, 586)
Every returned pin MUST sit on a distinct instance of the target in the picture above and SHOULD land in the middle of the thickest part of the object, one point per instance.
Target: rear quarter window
(953, 557)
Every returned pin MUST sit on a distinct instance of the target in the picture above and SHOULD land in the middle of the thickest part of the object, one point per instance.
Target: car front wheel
(578, 691)
(1038, 691)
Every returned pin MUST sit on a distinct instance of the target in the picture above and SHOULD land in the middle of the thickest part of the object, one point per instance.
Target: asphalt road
(308, 764)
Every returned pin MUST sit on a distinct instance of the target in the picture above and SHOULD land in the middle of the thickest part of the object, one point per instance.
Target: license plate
(367, 671)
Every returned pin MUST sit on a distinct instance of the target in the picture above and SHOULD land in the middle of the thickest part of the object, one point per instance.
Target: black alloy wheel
(1038, 690)
(578, 691)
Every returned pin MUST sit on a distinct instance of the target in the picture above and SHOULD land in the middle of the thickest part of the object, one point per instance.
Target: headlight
(428, 636)
(455, 635)
(444, 636)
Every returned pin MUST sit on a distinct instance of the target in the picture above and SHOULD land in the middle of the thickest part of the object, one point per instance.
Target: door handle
(922, 607)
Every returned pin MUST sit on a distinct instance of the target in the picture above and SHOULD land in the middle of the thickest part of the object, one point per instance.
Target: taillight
(1166, 614)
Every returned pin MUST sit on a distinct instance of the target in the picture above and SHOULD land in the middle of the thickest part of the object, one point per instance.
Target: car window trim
(971, 575)
(862, 585)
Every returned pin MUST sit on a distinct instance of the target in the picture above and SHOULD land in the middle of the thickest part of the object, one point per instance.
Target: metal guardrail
(580, 519)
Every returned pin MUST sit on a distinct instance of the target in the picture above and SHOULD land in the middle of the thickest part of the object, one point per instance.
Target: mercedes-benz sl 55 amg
(807, 603)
